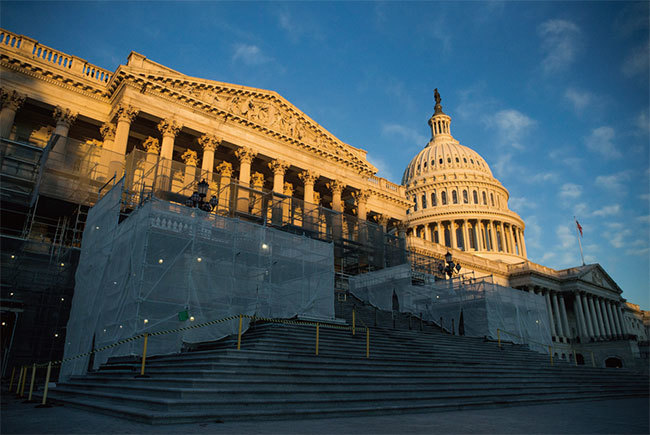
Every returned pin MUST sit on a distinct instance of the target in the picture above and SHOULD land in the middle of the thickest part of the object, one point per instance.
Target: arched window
(492, 199)
(448, 159)
(425, 165)
(433, 162)
(424, 200)
(443, 197)
(441, 161)
(465, 198)
(434, 200)
(457, 160)
(484, 199)
(475, 195)
(454, 197)
(415, 203)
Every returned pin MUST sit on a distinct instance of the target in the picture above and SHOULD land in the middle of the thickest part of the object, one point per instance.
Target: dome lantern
(439, 122)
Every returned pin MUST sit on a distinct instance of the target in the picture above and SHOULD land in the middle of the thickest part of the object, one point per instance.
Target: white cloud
(614, 182)
(636, 62)
(601, 141)
(570, 191)
(644, 219)
(249, 55)
(383, 169)
(642, 121)
(542, 177)
(407, 134)
(560, 43)
(520, 203)
(511, 124)
(608, 210)
(579, 99)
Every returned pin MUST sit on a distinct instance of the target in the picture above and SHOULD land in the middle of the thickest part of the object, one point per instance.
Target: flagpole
(579, 242)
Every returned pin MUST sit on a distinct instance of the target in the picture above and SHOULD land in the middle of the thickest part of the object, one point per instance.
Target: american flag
(579, 227)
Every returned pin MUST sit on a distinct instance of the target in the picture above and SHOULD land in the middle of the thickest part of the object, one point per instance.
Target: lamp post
(198, 198)
(449, 268)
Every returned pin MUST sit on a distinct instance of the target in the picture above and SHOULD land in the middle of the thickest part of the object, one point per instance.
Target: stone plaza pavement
(622, 416)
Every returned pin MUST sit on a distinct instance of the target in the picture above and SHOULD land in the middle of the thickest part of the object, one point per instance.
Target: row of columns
(487, 235)
(599, 318)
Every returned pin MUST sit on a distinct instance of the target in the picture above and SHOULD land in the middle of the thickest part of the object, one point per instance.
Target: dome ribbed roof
(447, 156)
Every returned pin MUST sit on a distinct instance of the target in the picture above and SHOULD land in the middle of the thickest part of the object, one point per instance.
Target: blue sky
(554, 96)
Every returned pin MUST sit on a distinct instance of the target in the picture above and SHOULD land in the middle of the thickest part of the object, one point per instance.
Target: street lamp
(449, 267)
(198, 198)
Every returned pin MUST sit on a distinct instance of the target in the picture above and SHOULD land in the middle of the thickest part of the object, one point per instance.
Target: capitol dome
(456, 200)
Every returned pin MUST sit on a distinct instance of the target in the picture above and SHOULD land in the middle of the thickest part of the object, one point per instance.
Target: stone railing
(71, 64)
(529, 266)
(385, 185)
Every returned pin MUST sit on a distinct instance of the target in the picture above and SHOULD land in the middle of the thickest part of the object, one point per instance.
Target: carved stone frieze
(169, 127)
(64, 116)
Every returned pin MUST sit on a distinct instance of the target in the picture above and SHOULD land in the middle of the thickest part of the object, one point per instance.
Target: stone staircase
(276, 375)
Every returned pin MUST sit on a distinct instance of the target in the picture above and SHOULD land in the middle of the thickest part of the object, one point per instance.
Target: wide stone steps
(277, 375)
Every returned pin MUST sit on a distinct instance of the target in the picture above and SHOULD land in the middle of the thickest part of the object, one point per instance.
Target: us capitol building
(69, 129)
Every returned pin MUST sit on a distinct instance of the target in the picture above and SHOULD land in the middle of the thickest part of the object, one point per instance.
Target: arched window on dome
(425, 165)
(492, 199)
(475, 195)
(448, 159)
(484, 199)
(415, 203)
(434, 200)
(465, 198)
(443, 197)
(454, 197)
(433, 162)
(441, 161)
(457, 160)
(424, 200)
(465, 159)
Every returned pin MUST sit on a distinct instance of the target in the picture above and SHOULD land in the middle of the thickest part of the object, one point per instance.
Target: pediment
(261, 109)
(597, 276)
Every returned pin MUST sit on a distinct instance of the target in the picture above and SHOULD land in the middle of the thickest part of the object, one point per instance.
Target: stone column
(209, 143)
(279, 168)
(125, 115)
(310, 208)
(493, 237)
(588, 316)
(594, 318)
(401, 230)
(107, 130)
(452, 234)
(565, 319)
(426, 232)
(257, 181)
(466, 243)
(189, 157)
(169, 129)
(599, 317)
(287, 215)
(337, 188)
(619, 327)
(556, 316)
(383, 221)
(608, 327)
(549, 308)
(610, 318)
(225, 171)
(11, 102)
(577, 307)
(64, 119)
(245, 156)
(502, 237)
(523, 243)
(511, 239)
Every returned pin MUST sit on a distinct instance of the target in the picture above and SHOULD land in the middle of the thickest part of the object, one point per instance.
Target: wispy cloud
(250, 55)
(601, 140)
(580, 100)
(520, 203)
(408, 135)
(560, 43)
(614, 182)
(511, 125)
(570, 191)
(383, 169)
(636, 62)
(608, 210)
(642, 122)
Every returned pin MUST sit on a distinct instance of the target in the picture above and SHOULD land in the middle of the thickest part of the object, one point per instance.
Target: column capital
(151, 145)
(401, 226)
(209, 142)
(335, 186)
(169, 128)
(245, 154)
(11, 100)
(126, 113)
(257, 180)
(308, 176)
(382, 219)
(317, 198)
(361, 196)
(64, 116)
(107, 130)
(278, 167)
(288, 188)
(189, 157)
(224, 168)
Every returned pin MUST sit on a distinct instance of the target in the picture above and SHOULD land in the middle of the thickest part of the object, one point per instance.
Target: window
(425, 165)
(441, 161)
(471, 160)
(415, 203)
(434, 201)
(475, 195)
(454, 197)
(448, 159)
(465, 198)
(484, 199)
(443, 198)
(492, 199)
(433, 162)
(457, 160)
(424, 201)
(465, 159)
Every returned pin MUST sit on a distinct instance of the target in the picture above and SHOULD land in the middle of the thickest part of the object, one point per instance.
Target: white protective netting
(165, 259)
(522, 317)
